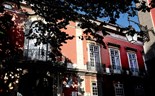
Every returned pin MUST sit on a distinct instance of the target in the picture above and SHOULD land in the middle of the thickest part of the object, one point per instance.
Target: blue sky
(123, 21)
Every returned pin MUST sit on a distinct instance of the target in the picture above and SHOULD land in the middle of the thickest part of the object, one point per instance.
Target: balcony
(101, 68)
(114, 69)
(131, 71)
(96, 68)
(36, 54)
(134, 71)
(119, 70)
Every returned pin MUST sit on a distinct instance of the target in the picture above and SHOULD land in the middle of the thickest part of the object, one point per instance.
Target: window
(32, 52)
(115, 59)
(119, 90)
(139, 90)
(94, 56)
(133, 62)
(94, 89)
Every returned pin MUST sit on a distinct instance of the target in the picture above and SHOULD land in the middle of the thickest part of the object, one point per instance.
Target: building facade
(148, 19)
(118, 70)
(87, 68)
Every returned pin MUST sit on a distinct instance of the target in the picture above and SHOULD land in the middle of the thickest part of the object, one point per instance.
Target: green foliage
(5, 22)
(58, 14)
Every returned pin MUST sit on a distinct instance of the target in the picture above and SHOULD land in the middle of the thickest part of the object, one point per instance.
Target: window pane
(94, 55)
(115, 59)
(133, 56)
(94, 89)
(97, 58)
(91, 54)
(133, 62)
(112, 52)
(119, 90)
(91, 48)
(116, 53)
(96, 48)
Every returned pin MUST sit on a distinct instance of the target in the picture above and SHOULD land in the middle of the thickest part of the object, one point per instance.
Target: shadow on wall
(150, 64)
(39, 78)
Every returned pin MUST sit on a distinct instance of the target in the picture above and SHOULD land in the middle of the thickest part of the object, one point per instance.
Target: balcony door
(115, 59)
(33, 50)
(94, 57)
(133, 64)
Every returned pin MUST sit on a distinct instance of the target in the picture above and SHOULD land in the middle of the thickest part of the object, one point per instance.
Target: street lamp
(131, 34)
(132, 38)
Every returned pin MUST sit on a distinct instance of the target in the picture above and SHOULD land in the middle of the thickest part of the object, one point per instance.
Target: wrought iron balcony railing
(134, 71)
(36, 54)
(119, 70)
(115, 69)
(95, 67)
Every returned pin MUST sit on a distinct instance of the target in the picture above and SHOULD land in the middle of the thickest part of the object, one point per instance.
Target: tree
(55, 13)
(58, 13)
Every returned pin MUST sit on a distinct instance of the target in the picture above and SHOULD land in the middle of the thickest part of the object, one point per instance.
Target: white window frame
(134, 72)
(95, 88)
(117, 70)
(31, 51)
(95, 67)
(119, 88)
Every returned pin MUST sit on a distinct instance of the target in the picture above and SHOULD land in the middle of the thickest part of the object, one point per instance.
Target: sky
(123, 21)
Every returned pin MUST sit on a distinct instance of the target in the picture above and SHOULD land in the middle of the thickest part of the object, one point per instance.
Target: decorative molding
(79, 50)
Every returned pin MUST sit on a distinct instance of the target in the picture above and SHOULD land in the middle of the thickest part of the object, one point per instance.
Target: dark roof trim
(112, 44)
(129, 48)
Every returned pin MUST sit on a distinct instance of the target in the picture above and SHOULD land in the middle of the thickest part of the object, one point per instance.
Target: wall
(148, 19)
(123, 52)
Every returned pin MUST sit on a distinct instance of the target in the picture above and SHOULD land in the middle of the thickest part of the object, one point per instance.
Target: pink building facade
(103, 70)
(92, 70)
